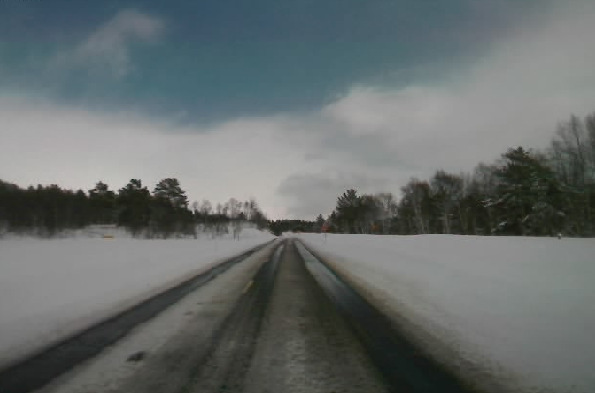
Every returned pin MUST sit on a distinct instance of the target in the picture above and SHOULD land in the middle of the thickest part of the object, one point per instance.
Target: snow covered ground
(517, 310)
(52, 288)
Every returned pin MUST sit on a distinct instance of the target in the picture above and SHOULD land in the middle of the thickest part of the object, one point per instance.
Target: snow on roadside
(522, 308)
(52, 288)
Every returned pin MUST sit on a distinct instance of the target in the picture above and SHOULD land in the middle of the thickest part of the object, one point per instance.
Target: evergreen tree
(134, 205)
(102, 203)
(348, 210)
(171, 190)
(529, 195)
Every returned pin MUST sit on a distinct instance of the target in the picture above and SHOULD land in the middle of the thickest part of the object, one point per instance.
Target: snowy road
(279, 321)
(39, 369)
(513, 313)
(52, 289)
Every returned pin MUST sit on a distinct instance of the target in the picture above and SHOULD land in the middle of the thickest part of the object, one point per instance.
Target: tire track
(405, 366)
(230, 355)
(38, 370)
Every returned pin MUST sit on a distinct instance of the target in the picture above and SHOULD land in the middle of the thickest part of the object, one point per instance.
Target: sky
(287, 102)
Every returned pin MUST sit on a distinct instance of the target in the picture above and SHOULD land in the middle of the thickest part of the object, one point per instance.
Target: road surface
(278, 321)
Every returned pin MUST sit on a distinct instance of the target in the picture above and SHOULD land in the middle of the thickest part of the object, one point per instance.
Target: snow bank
(52, 288)
(114, 231)
(521, 308)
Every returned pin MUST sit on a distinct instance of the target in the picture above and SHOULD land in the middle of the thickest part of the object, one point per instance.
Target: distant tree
(247, 210)
(171, 190)
(102, 203)
(529, 196)
(333, 222)
(572, 158)
(473, 215)
(446, 192)
(134, 203)
(234, 208)
(415, 206)
(47, 210)
(368, 214)
(257, 216)
(348, 210)
(483, 192)
(319, 223)
(206, 208)
(278, 227)
(387, 210)
(169, 210)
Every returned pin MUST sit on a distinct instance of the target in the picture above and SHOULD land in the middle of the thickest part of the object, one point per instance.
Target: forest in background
(526, 192)
(165, 212)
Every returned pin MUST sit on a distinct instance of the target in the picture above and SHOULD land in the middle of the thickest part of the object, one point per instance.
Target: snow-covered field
(517, 310)
(52, 288)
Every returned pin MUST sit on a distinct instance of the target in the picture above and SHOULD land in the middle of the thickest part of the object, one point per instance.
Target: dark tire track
(404, 365)
(232, 347)
(305, 344)
(38, 370)
(296, 327)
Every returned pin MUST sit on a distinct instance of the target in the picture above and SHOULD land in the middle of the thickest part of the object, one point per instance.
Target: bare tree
(570, 155)
(416, 197)
(446, 191)
(387, 210)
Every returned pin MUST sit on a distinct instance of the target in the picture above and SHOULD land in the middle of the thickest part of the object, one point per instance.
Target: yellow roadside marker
(247, 287)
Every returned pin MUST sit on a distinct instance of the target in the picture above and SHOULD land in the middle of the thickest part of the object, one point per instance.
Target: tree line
(277, 227)
(162, 212)
(525, 192)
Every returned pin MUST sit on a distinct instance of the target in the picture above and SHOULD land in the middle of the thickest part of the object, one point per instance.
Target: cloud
(307, 193)
(514, 95)
(44, 142)
(107, 49)
(374, 138)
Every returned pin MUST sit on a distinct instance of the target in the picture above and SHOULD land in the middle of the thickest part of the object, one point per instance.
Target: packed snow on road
(50, 289)
(516, 310)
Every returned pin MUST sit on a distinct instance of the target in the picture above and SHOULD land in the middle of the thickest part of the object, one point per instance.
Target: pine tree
(171, 190)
